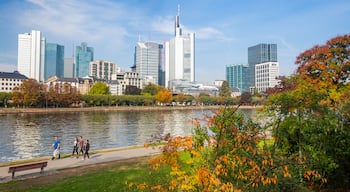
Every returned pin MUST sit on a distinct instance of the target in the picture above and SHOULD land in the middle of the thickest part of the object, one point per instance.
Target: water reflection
(25, 136)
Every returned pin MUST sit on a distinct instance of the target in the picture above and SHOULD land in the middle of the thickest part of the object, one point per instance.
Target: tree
(181, 98)
(164, 96)
(230, 159)
(151, 89)
(246, 98)
(99, 88)
(225, 90)
(310, 123)
(5, 98)
(27, 94)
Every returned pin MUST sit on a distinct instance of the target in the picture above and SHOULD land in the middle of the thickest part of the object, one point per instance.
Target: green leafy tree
(151, 89)
(5, 98)
(225, 90)
(99, 88)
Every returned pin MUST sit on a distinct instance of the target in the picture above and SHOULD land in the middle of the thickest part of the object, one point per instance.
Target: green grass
(108, 178)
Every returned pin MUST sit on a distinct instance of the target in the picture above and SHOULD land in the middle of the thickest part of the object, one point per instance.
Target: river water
(26, 136)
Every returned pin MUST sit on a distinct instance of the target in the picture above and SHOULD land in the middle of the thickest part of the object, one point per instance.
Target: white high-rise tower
(179, 56)
(31, 55)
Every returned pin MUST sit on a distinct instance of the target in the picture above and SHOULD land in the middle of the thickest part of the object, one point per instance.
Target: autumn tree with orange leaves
(311, 114)
(164, 96)
(227, 153)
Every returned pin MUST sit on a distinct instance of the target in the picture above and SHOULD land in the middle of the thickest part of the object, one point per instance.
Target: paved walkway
(69, 162)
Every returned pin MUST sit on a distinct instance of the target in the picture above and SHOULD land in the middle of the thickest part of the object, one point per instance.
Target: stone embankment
(106, 109)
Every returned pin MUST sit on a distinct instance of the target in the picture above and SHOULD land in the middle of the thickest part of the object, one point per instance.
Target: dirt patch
(61, 174)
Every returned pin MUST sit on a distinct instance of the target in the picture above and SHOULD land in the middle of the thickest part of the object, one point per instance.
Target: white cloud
(164, 25)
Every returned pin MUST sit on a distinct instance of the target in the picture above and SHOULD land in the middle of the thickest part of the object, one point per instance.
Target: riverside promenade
(56, 165)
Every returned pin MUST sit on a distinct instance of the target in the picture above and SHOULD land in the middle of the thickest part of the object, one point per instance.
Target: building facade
(68, 67)
(149, 62)
(102, 69)
(237, 76)
(266, 75)
(128, 79)
(260, 53)
(54, 60)
(180, 56)
(83, 56)
(8, 81)
(31, 55)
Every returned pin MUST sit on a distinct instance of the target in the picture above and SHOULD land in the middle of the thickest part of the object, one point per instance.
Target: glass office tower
(83, 56)
(260, 53)
(237, 76)
(54, 60)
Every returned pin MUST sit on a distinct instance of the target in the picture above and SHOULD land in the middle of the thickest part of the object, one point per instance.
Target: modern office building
(266, 75)
(68, 67)
(102, 69)
(128, 79)
(180, 56)
(8, 81)
(260, 53)
(54, 60)
(83, 56)
(237, 76)
(31, 55)
(149, 62)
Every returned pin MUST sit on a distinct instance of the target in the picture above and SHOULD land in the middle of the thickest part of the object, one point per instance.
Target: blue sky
(224, 28)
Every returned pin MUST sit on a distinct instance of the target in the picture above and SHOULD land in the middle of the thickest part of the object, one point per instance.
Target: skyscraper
(149, 61)
(260, 53)
(180, 56)
(54, 60)
(68, 67)
(83, 56)
(237, 76)
(31, 55)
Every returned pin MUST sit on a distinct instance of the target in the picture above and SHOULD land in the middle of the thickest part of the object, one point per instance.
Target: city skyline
(224, 29)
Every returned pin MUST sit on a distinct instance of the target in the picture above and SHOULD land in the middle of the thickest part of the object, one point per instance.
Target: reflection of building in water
(178, 123)
(95, 127)
(149, 126)
(26, 139)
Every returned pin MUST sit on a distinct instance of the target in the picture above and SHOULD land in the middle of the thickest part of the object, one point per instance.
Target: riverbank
(110, 108)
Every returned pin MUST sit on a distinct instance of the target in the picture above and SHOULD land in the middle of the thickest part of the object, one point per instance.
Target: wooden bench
(25, 167)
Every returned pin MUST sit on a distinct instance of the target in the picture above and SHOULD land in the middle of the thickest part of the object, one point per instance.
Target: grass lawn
(112, 176)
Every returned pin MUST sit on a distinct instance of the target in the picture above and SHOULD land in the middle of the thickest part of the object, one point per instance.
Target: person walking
(75, 147)
(81, 146)
(87, 148)
(56, 146)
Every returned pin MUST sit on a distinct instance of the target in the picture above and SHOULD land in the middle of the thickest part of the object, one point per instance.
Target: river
(30, 135)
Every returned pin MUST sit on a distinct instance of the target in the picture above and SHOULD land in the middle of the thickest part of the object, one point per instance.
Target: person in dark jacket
(87, 148)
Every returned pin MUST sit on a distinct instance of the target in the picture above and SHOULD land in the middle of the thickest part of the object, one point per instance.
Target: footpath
(54, 166)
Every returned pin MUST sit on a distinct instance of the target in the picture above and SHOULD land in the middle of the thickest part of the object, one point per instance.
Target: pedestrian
(87, 148)
(81, 146)
(56, 146)
(75, 147)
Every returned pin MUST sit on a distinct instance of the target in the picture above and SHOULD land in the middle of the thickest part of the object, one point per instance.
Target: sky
(224, 29)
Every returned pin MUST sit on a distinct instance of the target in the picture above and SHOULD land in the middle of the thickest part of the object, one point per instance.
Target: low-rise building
(8, 81)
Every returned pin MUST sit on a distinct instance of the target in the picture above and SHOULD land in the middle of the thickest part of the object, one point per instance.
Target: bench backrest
(27, 166)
